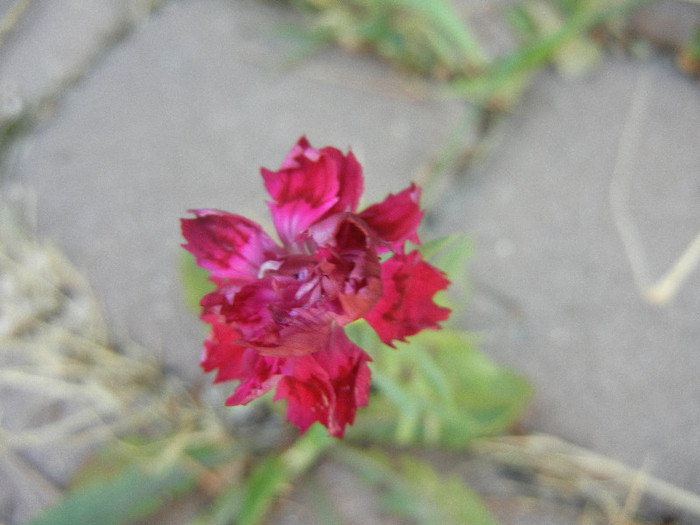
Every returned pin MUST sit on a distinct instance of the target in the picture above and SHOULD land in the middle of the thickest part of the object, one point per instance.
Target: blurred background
(559, 135)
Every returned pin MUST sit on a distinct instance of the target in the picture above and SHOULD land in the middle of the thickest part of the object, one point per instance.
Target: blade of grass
(275, 474)
(522, 62)
(446, 21)
(444, 391)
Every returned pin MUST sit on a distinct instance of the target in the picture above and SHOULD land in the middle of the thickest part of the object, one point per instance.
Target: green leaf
(450, 247)
(438, 389)
(451, 499)
(275, 474)
(575, 56)
(364, 336)
(426, 36)
(450, 254)
(505, 79)
(267, 481)
(128, 482)
(136, 492)
(413, 489)
(195, 281)
(448, 24)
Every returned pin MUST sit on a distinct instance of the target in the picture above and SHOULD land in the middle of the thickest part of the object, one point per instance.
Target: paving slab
(554, 291)
(183, 112)
(181, 116)
(44, 48)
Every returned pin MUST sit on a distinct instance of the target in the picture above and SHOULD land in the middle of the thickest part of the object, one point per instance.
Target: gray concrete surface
(185, 105)
(554, 293)
(182, 115)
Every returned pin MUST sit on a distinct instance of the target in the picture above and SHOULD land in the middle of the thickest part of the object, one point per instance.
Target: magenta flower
(278, 311)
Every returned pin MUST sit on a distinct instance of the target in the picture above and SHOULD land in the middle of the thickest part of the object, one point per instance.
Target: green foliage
(195, 280)
(276, 473)
(438, 389)
(413, 489)
(135, 493)
(145, 478)
(248, 502)
(141, 484)
(430, 38)
(265, 483)
(556, 36)
(425, 36)
(579, 53)
(450, 254)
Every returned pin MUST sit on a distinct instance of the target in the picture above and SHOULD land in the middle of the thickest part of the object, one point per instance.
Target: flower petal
(350, 376)
(350, 181)
(277, 312)
(274, 322)
(307, 330)
(257, 374)
(348, 262)
(264, 377)
(327, 386)
(396, 219)
(311, 184)
(229, 246)
(222, 351)
(406, 306)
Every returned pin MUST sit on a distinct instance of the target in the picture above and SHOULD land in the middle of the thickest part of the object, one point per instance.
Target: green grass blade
(443, 392)
(261, 489)
(447, 23)
(275, 474)
(513, 69)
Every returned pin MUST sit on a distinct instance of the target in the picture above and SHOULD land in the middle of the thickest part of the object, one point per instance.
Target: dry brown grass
(65, 390)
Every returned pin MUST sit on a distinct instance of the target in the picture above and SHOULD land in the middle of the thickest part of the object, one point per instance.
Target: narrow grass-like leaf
(443, 391)
(514, 69)
(426, 36)
(448, 23)
(266, 482)
(573, 57)
(275, 474)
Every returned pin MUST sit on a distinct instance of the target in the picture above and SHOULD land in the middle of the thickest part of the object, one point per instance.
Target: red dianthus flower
(278, 311)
